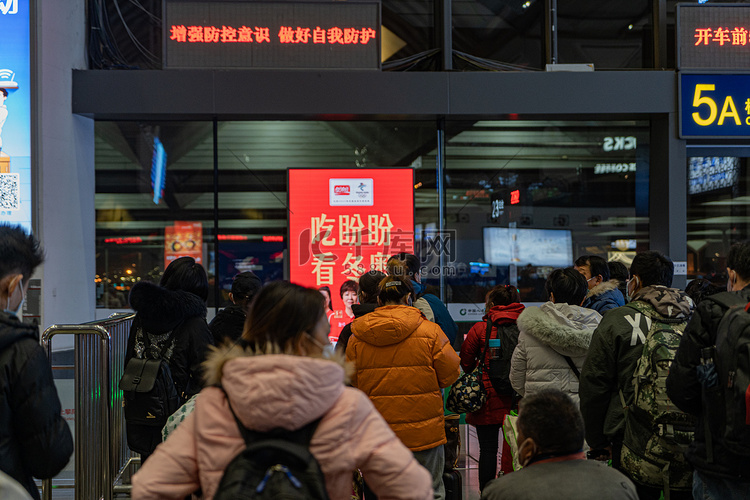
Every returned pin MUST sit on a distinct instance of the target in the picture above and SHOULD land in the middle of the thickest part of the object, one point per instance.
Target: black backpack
(728, 402)
(275, 465)
(150, 395)
(499, 372)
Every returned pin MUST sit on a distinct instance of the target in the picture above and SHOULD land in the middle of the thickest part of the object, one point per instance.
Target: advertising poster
(344, 223)
(184, 239)
(15, 114)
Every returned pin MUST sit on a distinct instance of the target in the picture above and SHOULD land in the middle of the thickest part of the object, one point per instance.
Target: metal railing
(101, 451)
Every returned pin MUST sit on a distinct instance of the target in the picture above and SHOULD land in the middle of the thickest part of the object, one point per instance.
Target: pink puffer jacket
(272, 391)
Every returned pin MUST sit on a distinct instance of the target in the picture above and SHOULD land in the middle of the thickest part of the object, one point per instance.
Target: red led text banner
(713, 36)
(344, 223)
(272, 35)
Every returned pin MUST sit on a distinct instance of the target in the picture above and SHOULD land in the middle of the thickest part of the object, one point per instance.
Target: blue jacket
(604, 296)
(434, 309)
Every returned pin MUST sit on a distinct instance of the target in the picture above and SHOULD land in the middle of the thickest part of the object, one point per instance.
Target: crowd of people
(617, 368)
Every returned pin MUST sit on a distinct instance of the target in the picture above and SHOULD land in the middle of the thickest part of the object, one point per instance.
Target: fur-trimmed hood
(603, 287)
(565, 328)
(272, 390)
(161, 310)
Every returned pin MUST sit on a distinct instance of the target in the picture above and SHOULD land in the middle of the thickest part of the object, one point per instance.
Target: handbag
(510, 433)
(467, 394)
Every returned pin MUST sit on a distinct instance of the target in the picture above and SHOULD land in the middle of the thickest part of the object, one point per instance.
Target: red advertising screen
(344, 223)
(184, 239)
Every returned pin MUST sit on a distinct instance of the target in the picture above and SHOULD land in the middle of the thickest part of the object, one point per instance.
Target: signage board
(714, 106)
(321, 34)
(183, 239)
(15, 114)
(335, 237)
(713, 36)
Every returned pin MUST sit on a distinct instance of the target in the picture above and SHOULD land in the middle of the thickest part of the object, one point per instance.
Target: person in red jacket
(503, 307)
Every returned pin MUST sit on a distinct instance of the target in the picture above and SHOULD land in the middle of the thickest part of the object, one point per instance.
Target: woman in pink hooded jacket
(285, 378)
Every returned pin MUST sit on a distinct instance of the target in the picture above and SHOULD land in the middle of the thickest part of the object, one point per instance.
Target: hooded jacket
(604, 296)
(434, 310)
(615, 348)
(546, 334)
(35, 440)
(402, 361)
(160, 311)
(685, 391)
(497, 406)
(228, 324)
(273, 391)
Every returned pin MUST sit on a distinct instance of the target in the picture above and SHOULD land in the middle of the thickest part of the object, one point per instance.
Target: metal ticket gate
(101, 452)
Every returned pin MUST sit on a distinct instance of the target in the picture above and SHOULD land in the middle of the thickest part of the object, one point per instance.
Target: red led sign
(713, 36)
(515, 197)
(238, 34)
(124, 241)
(273, 239)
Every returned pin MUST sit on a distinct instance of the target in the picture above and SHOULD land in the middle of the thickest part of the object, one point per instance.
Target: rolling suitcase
(452, 483)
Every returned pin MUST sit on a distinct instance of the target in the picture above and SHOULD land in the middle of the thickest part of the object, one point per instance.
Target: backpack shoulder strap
(573, 367)
(301, 436)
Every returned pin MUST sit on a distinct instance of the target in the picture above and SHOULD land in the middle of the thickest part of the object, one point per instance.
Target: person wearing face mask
(721, 470)
(607, 385)
(603, 292)
(282, 375)
(35, 441)
(550, 442)
(402, 361)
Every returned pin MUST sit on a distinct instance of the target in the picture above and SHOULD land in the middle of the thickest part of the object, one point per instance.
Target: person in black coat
(170, 319)
(368, 301)
(229, 323)
(35, 440)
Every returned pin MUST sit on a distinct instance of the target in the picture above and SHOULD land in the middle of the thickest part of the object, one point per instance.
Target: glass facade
(717, 210)
(520, 197)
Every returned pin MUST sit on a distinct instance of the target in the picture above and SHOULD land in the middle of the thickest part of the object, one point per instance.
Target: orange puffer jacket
(402, 361)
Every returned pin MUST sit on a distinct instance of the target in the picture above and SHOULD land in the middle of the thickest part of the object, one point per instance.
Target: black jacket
(346, 332)
(35, 440)
(613, 355)
(685, 391)
(159, 311)
(228, 324)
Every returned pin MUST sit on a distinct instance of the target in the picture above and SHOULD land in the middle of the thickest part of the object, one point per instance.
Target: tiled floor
(468, 461)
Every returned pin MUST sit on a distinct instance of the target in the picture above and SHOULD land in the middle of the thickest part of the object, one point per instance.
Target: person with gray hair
(35, 440)
(550, 448)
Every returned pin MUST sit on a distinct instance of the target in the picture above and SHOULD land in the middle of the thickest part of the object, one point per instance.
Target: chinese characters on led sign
(307, 34)
(286, 34)
(713, 36)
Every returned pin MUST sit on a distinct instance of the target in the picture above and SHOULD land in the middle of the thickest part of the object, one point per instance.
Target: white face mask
(327, 350)
(19, 309)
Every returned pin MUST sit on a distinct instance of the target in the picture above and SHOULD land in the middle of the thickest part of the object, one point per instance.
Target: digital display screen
(273, 35)
(539, 247)
(344, 223)
(713, 36)
(15, 114)
(707, 173)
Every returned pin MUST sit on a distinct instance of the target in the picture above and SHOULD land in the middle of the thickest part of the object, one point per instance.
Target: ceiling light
(630, 26)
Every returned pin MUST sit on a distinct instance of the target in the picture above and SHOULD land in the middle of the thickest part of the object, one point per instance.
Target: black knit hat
(246, 285)
(369, 282)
